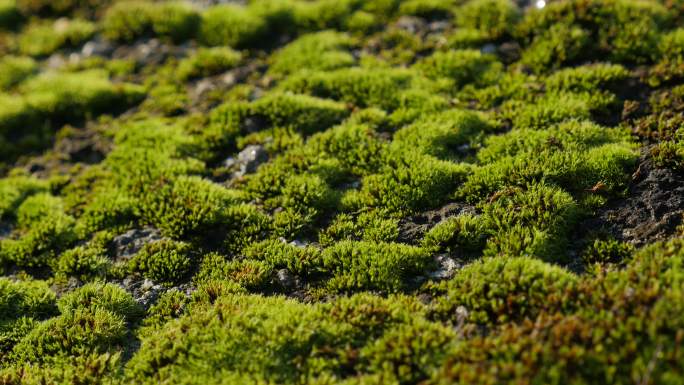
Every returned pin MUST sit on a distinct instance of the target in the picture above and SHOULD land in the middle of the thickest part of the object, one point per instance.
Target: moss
(493, 17)
(164, 261)
(636, 42)
(100, 296)
(26, 299)
(460, 66)
(362, 87)
(56, 8)
(128, 20)
(607, 251)
(464, 233)
(45, 229)
(208, 62)
(232, 25)
(534, 222)
(576, 162)
(320, 51)
(278, 254)
(588, 78)
(15, 69)
(412, 182)
(83, 262)
(443, 135)
(501, 290)
(373, 266)
(431, 9)
(10, 17)
(185, 206)
(65, 97)
(44, 39)
(76, 333)
(561, 44)
(14, 190)
(369, 226)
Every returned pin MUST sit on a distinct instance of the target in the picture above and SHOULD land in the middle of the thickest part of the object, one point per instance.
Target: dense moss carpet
(342, 192)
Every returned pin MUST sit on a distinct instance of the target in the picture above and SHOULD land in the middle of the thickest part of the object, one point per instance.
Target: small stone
(285, 279)
(411, 24)
(251, 158)
(5, 230)
(97, 47)
(129, 243)
(488, 49)
(446, 267)
(298, 243)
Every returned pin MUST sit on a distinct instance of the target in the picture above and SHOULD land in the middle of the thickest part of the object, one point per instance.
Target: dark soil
(652, 210)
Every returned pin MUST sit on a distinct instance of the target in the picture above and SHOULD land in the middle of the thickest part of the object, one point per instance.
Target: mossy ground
(341, 192)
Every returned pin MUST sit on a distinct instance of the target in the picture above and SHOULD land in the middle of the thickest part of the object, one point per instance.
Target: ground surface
(341, 191)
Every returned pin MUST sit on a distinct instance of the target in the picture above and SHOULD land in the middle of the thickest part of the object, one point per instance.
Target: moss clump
(103, 296)
(44, 39)
(15, 69)
(232, 25)
(591, 22)
(164, 261)
(208, 62)
(492, 17)
(460, 66)
(501, 290)
(129, 20)
(459, 234)
(10, 17)
(373, 266)
(44, 230)
(320, 51)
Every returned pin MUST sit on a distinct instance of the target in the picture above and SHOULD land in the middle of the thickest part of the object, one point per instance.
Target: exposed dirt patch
(651, 212)
(129, 243)
(412, 229)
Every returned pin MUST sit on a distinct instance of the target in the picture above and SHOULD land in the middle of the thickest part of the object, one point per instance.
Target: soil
(652, 210)
(412, 229)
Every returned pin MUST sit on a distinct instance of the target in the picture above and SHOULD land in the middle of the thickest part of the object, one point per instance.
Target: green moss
(501, 290)
(70, 96)
(10, 17)
(441, 135)
(100, 296)
(185, 206)
(561, 44)
(463, 233)
(607, 251)
(574, 155)
(431, 9)
(362, 87)
(320, 51)
(534, 222)
(636, 41)
(26, 299)
(493, 17)
(164, 261)
(232, 25)
(44, 39)
(83, 262)
(128, 20)
(369, 226)
(373, 266)
(56, 8)
(15, 69)
(587, 78)
(460, 66)
(45, 230)
(14, 190)
(76, 333)
(412, 182)
(208, 62)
